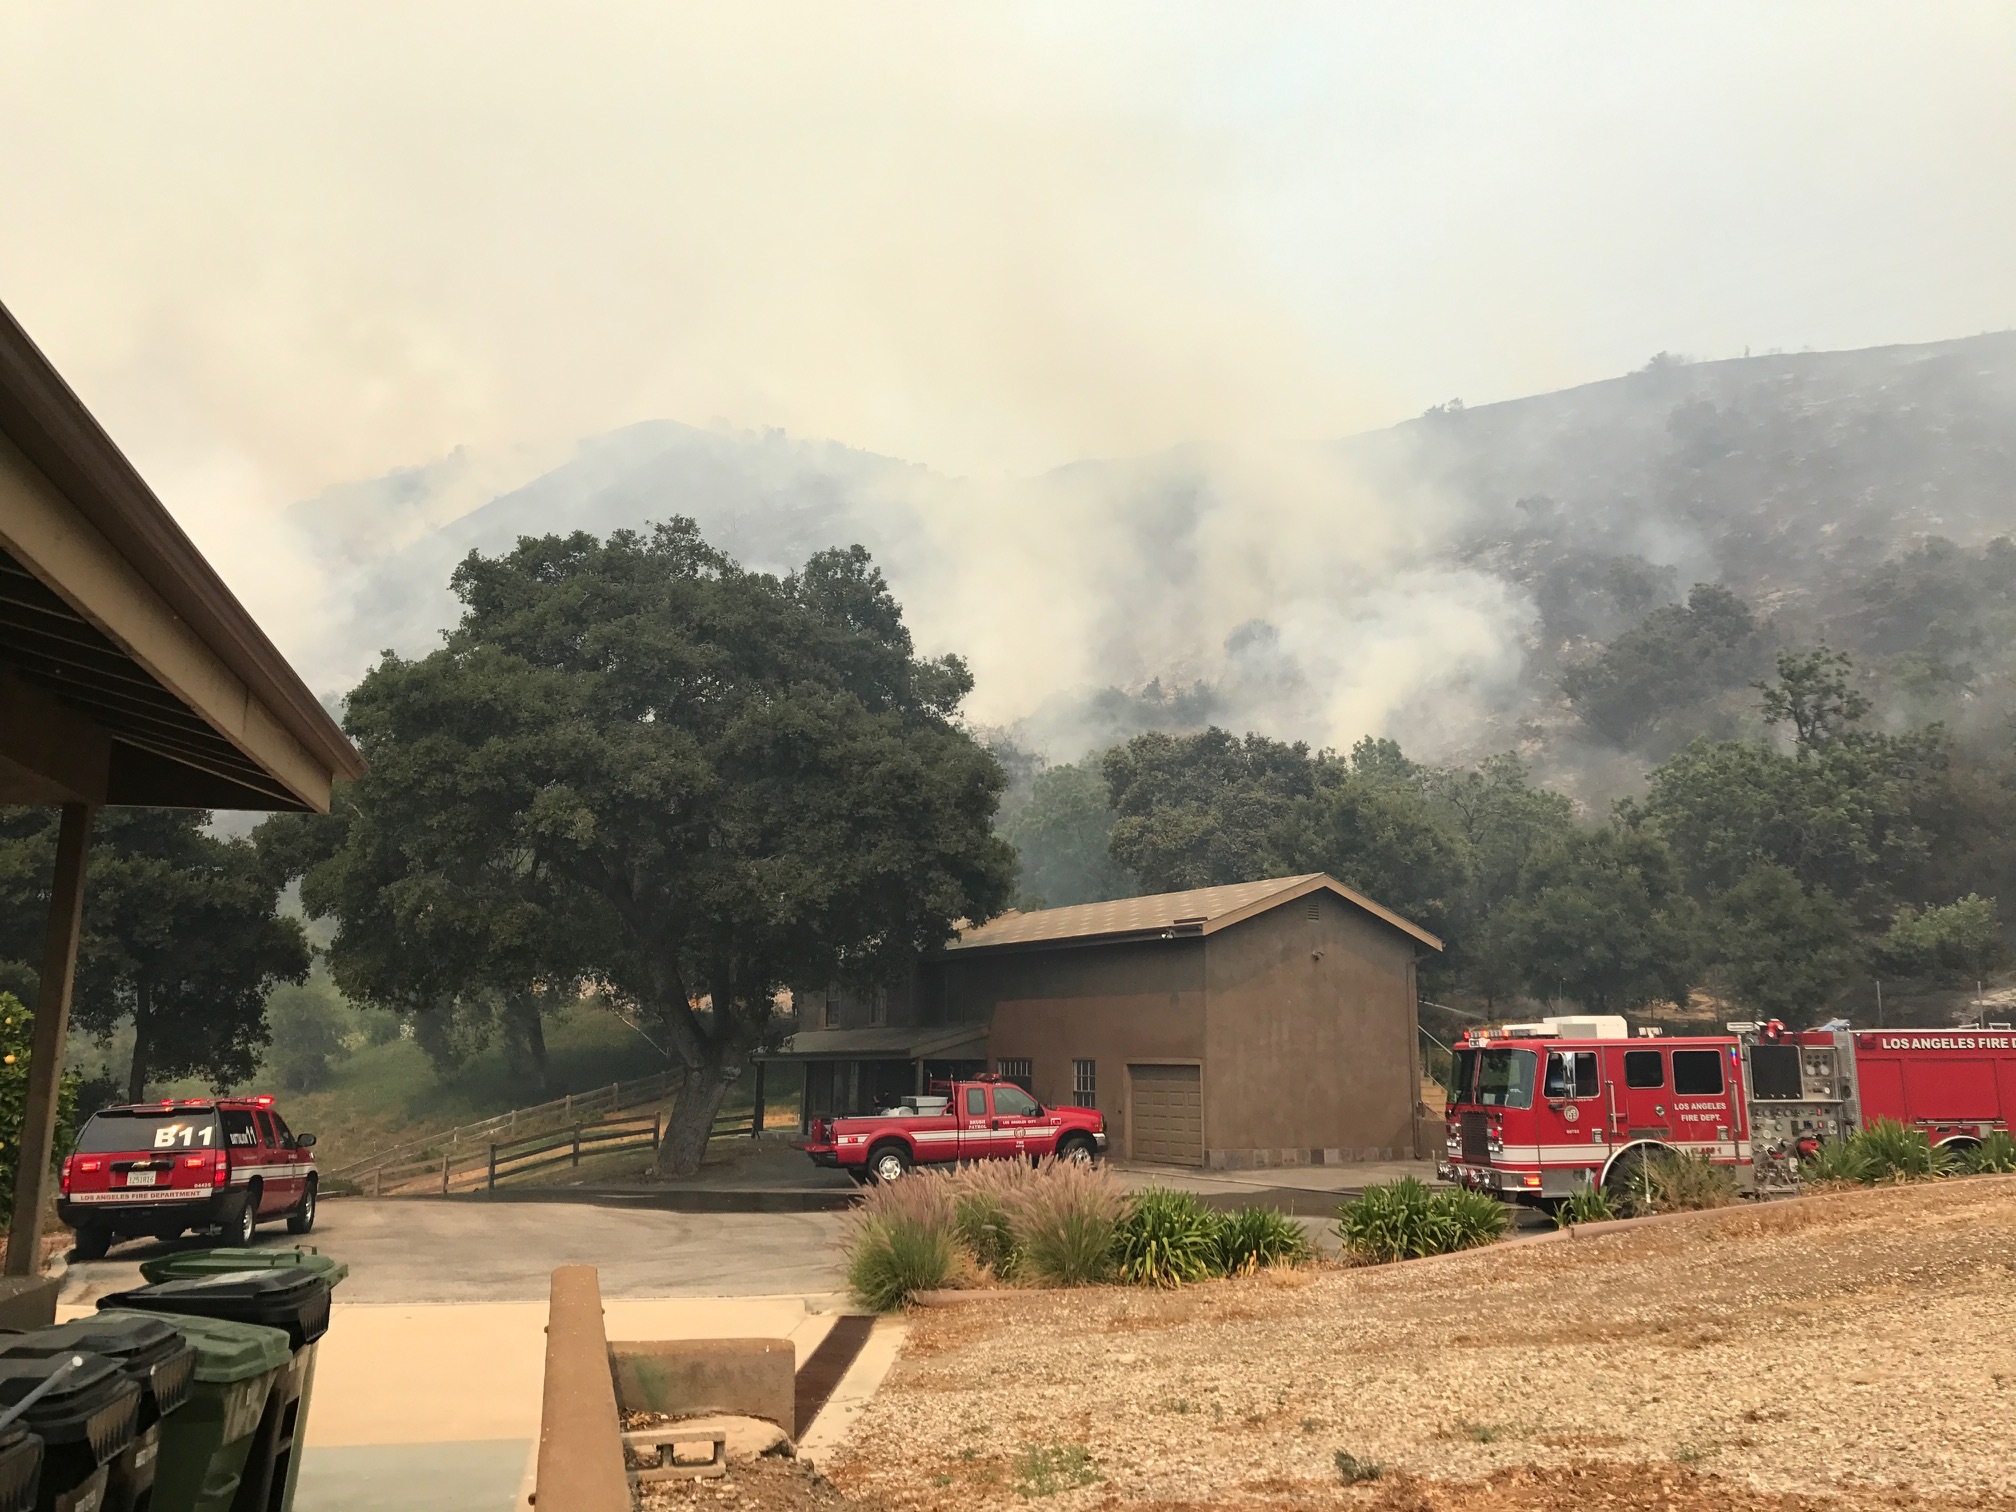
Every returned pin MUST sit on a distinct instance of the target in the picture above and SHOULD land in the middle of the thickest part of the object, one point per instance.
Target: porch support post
(37, 1136)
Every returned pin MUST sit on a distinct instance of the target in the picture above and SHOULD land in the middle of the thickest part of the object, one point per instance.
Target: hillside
(1436, 581)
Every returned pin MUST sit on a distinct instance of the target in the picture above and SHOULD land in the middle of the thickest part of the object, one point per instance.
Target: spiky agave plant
(1895, 1153)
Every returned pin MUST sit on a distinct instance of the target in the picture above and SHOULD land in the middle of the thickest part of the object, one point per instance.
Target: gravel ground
(1849, 1351)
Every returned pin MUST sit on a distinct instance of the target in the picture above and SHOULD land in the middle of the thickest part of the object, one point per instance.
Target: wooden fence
(441, 1162)
(474, 1168)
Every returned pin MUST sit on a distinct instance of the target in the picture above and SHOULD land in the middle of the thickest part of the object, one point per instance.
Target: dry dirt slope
(1856, 1350)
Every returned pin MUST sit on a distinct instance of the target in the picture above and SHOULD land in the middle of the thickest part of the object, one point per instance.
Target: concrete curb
(660, 1199)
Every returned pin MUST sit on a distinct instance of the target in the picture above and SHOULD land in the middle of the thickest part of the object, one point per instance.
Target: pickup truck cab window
(1013, 1102)
(976, 1102)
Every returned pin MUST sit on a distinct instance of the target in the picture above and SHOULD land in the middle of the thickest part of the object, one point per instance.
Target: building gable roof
(1201, 911)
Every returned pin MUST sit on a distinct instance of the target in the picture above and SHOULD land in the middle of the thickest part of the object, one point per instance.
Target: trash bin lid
(293, 1300)
(95, 1404)
(212, 1262)
(226, 1351)
(148, 1348)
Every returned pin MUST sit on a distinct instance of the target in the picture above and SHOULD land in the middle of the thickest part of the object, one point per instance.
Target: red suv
(226, 1164)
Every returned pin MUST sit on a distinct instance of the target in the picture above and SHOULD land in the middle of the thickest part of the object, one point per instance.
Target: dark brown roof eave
(45, 418)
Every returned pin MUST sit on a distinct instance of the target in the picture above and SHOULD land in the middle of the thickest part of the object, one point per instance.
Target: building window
(1085, 1083)
(1020, 1072)
(878, 1007)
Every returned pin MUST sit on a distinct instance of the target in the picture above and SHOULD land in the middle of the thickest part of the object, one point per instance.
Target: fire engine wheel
(302, 1219)
(92, 1240)
(242, 1222)
(1077, 1151)
(1625, 1183)
(890, 1163)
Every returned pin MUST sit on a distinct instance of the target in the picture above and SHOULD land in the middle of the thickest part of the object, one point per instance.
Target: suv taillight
(221, 1171)
(63, 1181)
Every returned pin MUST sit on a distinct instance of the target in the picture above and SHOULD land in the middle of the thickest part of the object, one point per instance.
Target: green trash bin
(205, 1445)
(211, 1262)
(294, 1300)
(187, 1264)
(154, 1356)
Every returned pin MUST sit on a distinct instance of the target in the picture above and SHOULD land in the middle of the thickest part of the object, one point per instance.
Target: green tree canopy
(1603, 917)
(1666, 665)
(1207, 809)
(1061, 830)
(638, 766)
(182, 935)
(1782, 949)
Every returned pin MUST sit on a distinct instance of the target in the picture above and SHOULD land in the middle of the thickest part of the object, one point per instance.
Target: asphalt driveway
(416, 1250)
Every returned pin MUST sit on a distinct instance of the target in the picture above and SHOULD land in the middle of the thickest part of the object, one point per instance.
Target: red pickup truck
(986, 1119)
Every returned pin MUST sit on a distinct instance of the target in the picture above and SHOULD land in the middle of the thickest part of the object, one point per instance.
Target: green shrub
(1166, 1239)
(1896, 1153)
(1404, 1220)
(1065, 1221)
(1836, 1160)
(17, 1033)
(903, 1239)
(1586, 1203)
(1254, 1238)
(1996, 1154)
(1046, 1469)
(1463, 1219)
(1679, 1183)
(1352, 1470)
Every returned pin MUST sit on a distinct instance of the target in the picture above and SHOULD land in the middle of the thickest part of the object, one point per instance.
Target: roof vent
(1312, 908)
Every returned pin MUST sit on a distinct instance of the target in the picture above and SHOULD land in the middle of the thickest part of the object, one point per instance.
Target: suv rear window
(112, 1133)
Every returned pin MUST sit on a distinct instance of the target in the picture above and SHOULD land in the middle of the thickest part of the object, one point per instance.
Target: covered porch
(129, 674)
(854, 1071)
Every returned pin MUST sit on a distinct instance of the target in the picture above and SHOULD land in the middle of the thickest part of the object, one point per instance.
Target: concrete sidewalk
(435, 1407)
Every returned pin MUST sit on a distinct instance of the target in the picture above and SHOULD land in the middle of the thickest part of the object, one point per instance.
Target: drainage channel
(816, 1379)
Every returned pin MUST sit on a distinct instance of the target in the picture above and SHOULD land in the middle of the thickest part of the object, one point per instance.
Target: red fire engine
(1536, 1110)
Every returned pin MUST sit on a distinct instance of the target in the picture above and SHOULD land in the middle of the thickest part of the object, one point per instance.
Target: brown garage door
(1168, 1114)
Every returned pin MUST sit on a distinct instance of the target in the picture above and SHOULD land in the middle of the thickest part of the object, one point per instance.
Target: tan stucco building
(1265, 1023)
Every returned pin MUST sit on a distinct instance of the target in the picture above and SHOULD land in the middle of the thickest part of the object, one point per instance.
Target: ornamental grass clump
(985, 1198)
(903, 1239)
(1064, 1221)
(1406, 1220)
(1167, 1238)
(1257, 1238)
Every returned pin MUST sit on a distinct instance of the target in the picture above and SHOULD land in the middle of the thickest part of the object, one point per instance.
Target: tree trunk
(529, 1027)
(136, 1074)
(697, 1104)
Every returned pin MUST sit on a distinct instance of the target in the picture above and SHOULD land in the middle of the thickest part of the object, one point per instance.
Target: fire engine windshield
(114, 1133)
(1505, 1078)
(1462, 1075)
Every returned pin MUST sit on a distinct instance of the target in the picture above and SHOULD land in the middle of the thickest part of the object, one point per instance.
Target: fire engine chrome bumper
(1554, 1181)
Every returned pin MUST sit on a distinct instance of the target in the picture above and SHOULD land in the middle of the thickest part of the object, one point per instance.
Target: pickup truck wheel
(92, 1240)
(1077, 1150)
(889, 1163)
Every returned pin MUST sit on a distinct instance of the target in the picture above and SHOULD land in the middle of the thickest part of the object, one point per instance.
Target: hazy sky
(280, 247)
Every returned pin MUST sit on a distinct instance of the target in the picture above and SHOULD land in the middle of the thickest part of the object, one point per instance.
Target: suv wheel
(302, 1219)
(242, 1222)
(92, 1240)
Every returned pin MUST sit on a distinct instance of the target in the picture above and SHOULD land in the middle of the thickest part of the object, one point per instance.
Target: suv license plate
(139, 1178)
